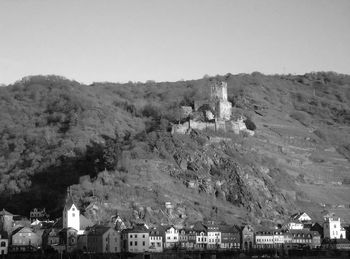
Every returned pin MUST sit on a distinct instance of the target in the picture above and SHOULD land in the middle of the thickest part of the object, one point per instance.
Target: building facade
(4, 243)
(214, 235)
(102, 239)
(71, 215)
(248, 240)
(230, 237)
(135, 240)
(332, 228)
(156, 240)
(25, 236)
(171, 237)
(38, 214)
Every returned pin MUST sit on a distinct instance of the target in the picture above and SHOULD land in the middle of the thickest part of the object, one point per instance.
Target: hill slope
(113, 142)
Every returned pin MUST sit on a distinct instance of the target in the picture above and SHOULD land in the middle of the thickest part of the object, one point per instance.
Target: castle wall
(235, 126)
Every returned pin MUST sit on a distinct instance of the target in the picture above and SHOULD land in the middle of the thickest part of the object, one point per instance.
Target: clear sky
(163, 40)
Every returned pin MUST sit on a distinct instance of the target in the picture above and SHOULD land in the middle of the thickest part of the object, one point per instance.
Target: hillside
(112, 142)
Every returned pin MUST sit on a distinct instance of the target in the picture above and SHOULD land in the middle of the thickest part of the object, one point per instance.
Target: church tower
(71, 213)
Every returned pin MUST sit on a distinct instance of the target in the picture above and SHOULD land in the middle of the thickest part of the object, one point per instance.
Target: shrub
(250, 124)
(150, 110)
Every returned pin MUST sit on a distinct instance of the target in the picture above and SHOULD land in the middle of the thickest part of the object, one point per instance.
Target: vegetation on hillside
(54, 131)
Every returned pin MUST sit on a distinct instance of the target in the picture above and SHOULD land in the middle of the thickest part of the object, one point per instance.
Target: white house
(264, 239)
(332, 228)
(278, 238)
(171, 237)
(294, 225)
(156, 240)
(214, 235)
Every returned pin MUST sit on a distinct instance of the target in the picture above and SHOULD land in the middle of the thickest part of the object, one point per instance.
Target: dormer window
(73, 209)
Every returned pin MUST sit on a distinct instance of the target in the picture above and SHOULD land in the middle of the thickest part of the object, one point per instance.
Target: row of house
(207, 235)
(75, 232)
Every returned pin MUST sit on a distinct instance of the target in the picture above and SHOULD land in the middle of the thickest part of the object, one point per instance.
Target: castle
(217, 111)
(217, 102)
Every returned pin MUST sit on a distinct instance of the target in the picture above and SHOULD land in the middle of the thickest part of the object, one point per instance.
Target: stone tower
(218, 91)
(218, 96)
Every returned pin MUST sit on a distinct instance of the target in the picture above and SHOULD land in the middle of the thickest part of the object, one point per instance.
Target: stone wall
(235, 126)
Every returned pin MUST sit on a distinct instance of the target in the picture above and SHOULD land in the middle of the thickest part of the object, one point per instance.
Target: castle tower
(71, 213)
(218, 91)
(218, 96)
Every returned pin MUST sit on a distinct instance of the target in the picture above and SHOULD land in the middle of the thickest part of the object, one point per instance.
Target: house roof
(198, 226)
(296, 216)
(21, 229)
(4, 235)
(84, 221)
(158, 229)
(5, 213)
(69, 202)
(58, 223)
(137, 229)
(229, 229)
(98, 230)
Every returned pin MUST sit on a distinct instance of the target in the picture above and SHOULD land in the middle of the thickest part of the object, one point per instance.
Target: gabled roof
(296, 216)
(22, 229)
(4, 235)
(5, 213)
(84, 221)
(98, 230)
(58, 224)
(69, 202)
(198, 226)
(229, 229)
(137, 229)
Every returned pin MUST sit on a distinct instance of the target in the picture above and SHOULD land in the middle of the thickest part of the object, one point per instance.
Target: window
(143, 236)
(143, 243)
(130, 243)
(3, 244)
(130, 236)
(135, 243)
(135, 236)
(73, 214)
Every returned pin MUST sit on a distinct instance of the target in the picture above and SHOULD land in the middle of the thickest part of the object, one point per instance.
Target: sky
(138, 40)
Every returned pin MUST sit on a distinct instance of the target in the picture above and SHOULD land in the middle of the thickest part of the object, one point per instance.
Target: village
(73, 232)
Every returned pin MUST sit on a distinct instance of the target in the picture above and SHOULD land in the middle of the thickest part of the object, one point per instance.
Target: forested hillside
(113, 143)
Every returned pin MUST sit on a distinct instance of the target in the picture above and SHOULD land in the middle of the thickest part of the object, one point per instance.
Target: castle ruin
(218, 96)
(217, 110)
